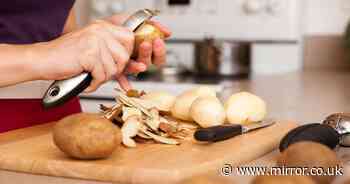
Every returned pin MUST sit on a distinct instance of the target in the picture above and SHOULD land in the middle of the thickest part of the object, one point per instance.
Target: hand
(101, 48)
(146, 51)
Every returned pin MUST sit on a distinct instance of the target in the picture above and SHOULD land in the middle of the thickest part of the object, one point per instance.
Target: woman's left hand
(156, 49)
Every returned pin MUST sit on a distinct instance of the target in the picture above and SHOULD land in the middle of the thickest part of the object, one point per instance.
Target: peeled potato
(202, 91)
(162, 100)
(146, 32)
(244, 107)
(182, 105)
(208, 111)
(86, 136)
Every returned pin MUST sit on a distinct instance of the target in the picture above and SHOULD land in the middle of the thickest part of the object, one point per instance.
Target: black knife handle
(217, 133)
(320, 133)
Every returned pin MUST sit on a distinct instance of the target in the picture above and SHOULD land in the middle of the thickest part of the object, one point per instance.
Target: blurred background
(238, 45)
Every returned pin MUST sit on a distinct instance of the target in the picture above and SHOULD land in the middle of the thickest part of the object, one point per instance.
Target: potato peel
(130, 129)
(130, 111)
(144, 122)
(160, 139)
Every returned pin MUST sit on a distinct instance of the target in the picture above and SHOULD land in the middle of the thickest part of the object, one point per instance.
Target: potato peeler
(333, 131)
(61, 91)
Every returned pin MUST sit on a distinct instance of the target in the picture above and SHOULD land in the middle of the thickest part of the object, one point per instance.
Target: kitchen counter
(289, 96)
(306, 97)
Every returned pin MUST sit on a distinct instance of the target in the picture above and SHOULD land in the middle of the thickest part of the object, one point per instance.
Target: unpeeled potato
(271, 179)
(86, 136)
(310, 154)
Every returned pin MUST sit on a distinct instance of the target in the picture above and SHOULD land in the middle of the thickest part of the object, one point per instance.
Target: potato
(283, 179)
(208, 178)
(202, 91)
(208, 111)
(146, 32)
(244, 107)
(182, 105)
(86, 136)
(163, 100)
(310, 154)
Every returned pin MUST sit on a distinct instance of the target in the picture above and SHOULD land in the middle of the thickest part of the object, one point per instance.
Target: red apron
(20, 113)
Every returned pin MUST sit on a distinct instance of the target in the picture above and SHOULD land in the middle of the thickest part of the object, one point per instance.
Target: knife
(61, 91)
(223, 132)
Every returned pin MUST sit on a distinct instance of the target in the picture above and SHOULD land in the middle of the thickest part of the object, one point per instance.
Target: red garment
(20, 113)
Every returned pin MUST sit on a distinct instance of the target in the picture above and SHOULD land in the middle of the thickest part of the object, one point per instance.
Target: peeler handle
(320, 133)
(62, 90)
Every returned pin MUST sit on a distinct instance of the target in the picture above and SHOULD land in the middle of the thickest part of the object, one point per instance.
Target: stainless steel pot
(221, 58)
(207, 57)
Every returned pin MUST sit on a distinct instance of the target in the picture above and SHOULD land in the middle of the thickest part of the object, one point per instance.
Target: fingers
(135, 67)
(145, 53)
(101, 66)
(159, 52)
(146, 50)
(157, 49)
(108, 63)
(122, 35)
(119, 54)
(123, 82)
(114, 53)
(99, 77)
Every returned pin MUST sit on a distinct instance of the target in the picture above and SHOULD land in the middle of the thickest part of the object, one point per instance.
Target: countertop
(305, 97)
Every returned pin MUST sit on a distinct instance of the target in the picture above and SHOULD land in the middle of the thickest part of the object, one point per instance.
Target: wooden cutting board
(31, 150)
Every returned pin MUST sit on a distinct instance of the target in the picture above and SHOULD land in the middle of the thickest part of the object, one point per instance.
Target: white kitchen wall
(321, 17)
(326, 17)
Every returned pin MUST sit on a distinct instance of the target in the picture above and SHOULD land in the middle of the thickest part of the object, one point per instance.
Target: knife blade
(223, 132)
(61, 91)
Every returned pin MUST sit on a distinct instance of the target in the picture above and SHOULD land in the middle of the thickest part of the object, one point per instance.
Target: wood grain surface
(31, 150)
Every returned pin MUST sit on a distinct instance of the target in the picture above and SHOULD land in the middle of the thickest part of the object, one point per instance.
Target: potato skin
(310, 154)
(86, 136)
(283, 179)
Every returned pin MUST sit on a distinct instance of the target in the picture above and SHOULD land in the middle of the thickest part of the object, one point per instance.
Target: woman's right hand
(101, 48)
